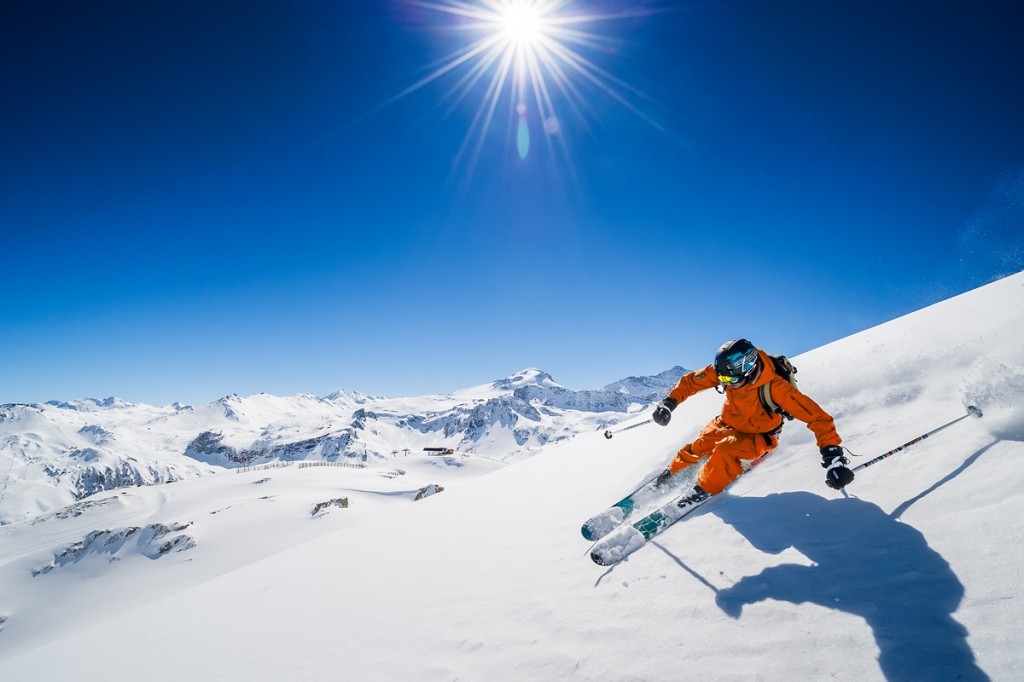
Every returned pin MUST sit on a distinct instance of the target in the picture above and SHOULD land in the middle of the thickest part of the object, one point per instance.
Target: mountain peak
(643, 386)
(91, 404)
(350, 397)
(527, 377)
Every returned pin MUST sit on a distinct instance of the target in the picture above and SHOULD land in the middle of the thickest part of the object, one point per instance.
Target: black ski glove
(837, 475)
(663, 412)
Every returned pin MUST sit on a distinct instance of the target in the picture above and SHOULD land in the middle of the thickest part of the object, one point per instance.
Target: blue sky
(204, 198)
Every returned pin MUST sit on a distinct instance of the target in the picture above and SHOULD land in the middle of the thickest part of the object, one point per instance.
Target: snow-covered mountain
(56, 453)
(321, 573)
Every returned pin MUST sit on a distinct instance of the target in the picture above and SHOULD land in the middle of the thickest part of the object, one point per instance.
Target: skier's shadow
(865, 563)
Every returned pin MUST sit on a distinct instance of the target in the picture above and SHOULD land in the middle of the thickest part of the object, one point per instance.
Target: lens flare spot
(523, 138)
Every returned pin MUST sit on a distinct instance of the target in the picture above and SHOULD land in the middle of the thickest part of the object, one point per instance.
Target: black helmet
(736, 362)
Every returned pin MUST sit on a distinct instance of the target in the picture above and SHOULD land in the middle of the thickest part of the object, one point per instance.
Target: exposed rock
(209, 447)
(429, 490)
(125, 473)
(114, 542)
(97, 434)
(74, 510)
(340, 502)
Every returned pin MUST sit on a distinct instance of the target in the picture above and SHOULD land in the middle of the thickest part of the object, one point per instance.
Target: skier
(746, 429)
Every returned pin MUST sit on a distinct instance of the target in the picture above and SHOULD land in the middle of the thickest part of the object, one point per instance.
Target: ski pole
(972, 411)
(609, 433)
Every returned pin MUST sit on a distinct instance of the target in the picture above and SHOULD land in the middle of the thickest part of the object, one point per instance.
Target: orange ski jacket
(744, 412)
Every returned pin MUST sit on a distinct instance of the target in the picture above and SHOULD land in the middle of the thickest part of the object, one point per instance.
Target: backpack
(787, 372)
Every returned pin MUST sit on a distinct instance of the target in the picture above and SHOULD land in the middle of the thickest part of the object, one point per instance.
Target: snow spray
(999, 391)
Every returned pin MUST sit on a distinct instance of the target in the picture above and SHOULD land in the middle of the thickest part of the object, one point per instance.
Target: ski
(626, 539)
(621, 540)
(599, 525)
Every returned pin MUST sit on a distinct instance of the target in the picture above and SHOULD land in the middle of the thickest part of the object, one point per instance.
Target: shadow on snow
(898, 512)
(865, 563)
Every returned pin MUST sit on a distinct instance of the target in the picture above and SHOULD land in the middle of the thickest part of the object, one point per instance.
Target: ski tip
(595, 530)
(601, 559)
(596, 527)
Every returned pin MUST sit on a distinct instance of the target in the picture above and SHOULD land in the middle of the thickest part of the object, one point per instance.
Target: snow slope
(914, 573)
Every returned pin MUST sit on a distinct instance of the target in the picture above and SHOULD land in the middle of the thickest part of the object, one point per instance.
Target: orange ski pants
(726, 448)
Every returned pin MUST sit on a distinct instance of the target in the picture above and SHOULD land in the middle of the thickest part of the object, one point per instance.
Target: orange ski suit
(745, 430)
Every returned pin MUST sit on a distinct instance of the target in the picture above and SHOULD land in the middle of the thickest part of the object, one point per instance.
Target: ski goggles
(728, 380)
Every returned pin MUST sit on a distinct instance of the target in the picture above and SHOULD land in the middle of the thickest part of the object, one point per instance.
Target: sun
(530, 57)
(521, 23)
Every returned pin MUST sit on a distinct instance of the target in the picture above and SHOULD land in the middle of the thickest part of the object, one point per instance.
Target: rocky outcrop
(152, 541)
(427, 491)
(124, 473)
(340, 503)
(209, 447)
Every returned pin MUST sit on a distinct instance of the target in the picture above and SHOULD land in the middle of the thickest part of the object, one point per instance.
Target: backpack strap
(765, 394)
(784, 371)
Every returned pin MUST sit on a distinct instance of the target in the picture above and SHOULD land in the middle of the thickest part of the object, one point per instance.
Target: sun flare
(529, 56)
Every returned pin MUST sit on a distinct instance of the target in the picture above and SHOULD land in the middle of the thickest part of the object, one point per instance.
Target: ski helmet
(736, 362)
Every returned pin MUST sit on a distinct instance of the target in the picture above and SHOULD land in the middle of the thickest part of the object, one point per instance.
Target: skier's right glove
(837, 475)
(663, 412)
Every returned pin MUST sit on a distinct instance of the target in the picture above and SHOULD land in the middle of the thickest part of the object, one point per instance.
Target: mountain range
(57, 453)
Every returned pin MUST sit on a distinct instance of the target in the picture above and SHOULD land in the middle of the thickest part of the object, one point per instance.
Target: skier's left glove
(837, 474)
